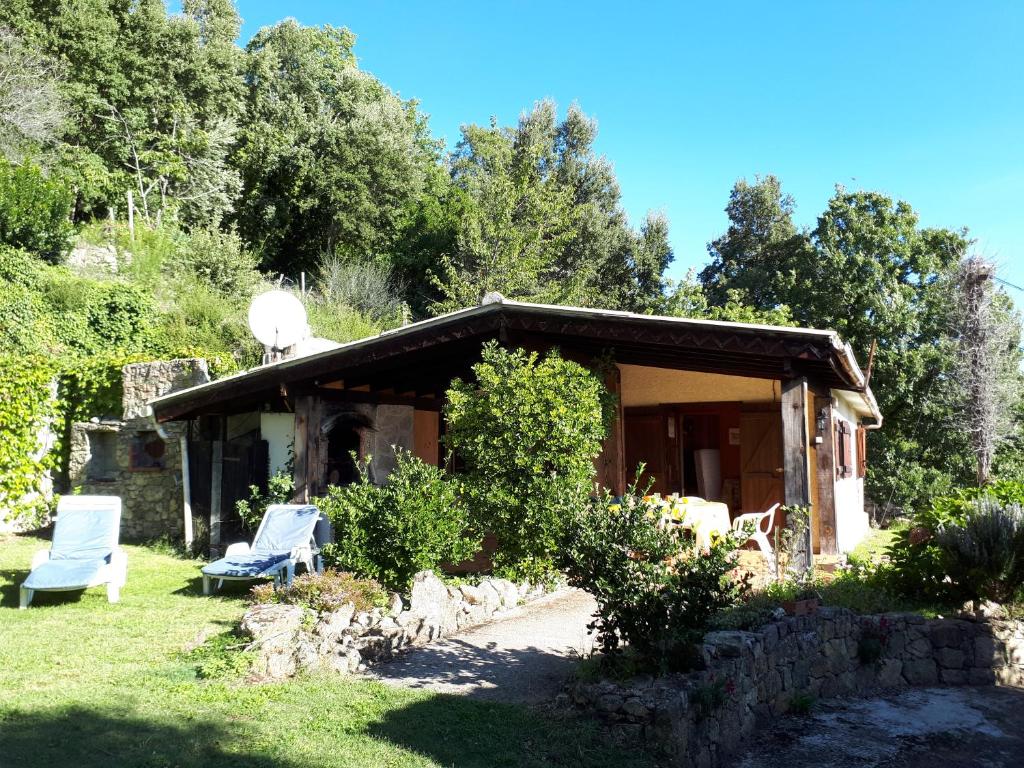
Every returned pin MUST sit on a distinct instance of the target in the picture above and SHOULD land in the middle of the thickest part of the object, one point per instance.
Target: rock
(471, 594)
(332, 624)
(920, 672)
(273, 623)
(635, 708)
(492, 598)
(944, 634)
(609, 703)
(953, 676)
(395, 606)
(890, 673)
(950, 658)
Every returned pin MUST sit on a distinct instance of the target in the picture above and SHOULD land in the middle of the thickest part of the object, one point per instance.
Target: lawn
(86, 683)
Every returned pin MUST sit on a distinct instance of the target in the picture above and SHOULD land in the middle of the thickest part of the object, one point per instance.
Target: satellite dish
(278, 320)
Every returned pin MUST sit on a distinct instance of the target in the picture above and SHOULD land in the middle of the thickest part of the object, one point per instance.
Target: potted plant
(804, 603)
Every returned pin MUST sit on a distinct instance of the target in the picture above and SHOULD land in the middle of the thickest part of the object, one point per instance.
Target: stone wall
(699, 718)
(289, 638)
(128, 458)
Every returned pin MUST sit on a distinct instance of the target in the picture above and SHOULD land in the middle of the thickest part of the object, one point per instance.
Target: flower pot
(805, 607)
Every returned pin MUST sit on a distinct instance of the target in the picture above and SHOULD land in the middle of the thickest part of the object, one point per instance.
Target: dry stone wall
(290, 638)
(749, 677)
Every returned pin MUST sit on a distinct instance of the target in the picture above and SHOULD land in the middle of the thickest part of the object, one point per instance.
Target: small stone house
(134, 457)
(746, 414)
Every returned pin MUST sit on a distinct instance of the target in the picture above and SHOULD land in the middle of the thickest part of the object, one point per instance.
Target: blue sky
(921, 100)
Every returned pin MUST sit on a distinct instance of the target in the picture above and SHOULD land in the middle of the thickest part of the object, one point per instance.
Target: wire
(1008, 283)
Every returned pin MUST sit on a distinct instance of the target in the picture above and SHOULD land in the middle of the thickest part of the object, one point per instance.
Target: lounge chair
(284, 539)
(84, 552)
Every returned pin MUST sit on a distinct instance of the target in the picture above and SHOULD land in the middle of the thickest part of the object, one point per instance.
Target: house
(748, 414)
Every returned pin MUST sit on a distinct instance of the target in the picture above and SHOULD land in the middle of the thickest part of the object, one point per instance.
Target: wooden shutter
(844, 449)
(862, 451)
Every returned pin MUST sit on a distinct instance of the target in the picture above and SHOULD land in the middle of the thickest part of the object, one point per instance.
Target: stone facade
(699, 718)
(130, 459)
(289, 638)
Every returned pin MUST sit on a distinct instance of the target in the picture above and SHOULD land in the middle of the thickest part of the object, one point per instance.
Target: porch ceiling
(418, 361)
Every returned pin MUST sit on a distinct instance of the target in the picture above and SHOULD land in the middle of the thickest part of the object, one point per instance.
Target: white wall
(852, 523)
(278, 429)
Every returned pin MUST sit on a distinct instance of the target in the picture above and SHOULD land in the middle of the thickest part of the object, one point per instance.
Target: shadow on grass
(456, 731)
(10, 591)
(89, 739)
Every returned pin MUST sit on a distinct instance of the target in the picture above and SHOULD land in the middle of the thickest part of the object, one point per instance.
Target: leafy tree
(31, 111)
(544, 221)
(870, 272)
(34, 211)
(687, 298)
(332, 162)
(527, 431)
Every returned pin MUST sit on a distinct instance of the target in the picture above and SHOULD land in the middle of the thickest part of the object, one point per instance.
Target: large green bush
(527, 431)
(985, 552)
(26, 407)
(389, 532)
(34, 211)
(656, 592)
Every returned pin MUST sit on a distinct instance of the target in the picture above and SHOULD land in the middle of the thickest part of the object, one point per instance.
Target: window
(844, 449)
(147, 451)
(102, 464)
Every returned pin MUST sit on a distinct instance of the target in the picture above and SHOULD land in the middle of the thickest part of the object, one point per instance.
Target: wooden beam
(300, 450)
(611, 463)
(825, 475)
(358, 396)
(795, 455)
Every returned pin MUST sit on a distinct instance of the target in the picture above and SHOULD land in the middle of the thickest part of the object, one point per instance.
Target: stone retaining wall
(698, 718)
(290, 638)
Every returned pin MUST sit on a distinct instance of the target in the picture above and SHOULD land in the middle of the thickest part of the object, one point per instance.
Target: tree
(987, 334)
(544, 221)
(871, 273)
(31, 109)
(754, 259)
(331, 160)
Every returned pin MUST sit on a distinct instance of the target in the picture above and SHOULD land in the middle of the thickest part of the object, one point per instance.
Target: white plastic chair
(763, 523)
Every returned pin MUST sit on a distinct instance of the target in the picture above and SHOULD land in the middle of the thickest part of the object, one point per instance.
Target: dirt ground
(925, 728)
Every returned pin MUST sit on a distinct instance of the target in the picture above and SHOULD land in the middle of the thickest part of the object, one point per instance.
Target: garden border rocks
(698, 718)
(290, 638)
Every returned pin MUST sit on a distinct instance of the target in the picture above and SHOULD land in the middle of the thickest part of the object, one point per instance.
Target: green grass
(875, 544)
(86, 683)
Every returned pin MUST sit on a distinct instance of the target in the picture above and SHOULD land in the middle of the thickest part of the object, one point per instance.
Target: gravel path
(524, 657)
(923, 728)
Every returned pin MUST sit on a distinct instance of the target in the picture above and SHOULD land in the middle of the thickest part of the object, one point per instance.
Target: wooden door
(761, 473)
(645, 438)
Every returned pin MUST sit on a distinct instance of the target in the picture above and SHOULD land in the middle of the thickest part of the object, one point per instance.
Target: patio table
(704, 518)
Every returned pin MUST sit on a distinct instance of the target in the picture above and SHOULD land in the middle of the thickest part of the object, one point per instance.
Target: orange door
(761, 473)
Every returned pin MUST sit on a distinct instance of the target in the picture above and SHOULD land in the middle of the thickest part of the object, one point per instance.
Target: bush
(324, 592)
(528, 431)
(26, 407)
(654, 590)
(413, 522)
(34, 211)
(985, 552)
(279, 491)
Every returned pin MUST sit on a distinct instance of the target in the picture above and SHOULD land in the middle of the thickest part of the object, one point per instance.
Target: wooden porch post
(308, 450)
(825, 474)
(300, 494)
(611, 463)
(796, 458)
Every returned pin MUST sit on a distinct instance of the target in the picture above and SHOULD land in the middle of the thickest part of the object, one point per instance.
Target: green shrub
(279, 491)
(221, 656)
(324, 592)
(26, 406)
(34, 211)
(527, 430)
(655, 592)
(389, 532)
(985, 552)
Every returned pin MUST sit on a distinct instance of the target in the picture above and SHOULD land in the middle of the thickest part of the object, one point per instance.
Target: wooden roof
(415, 363)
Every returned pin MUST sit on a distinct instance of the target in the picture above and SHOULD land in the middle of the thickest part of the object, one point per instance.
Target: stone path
(524, 657)
(979, 727)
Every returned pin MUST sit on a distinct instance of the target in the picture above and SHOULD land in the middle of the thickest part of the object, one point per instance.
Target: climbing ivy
(27, 405)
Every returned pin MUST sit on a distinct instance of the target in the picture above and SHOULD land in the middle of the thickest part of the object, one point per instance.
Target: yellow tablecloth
(704, 518)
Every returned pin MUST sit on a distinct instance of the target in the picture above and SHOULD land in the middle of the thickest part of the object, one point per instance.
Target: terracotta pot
(806, 607)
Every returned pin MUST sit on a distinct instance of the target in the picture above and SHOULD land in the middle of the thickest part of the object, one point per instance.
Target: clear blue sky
(921, 100)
